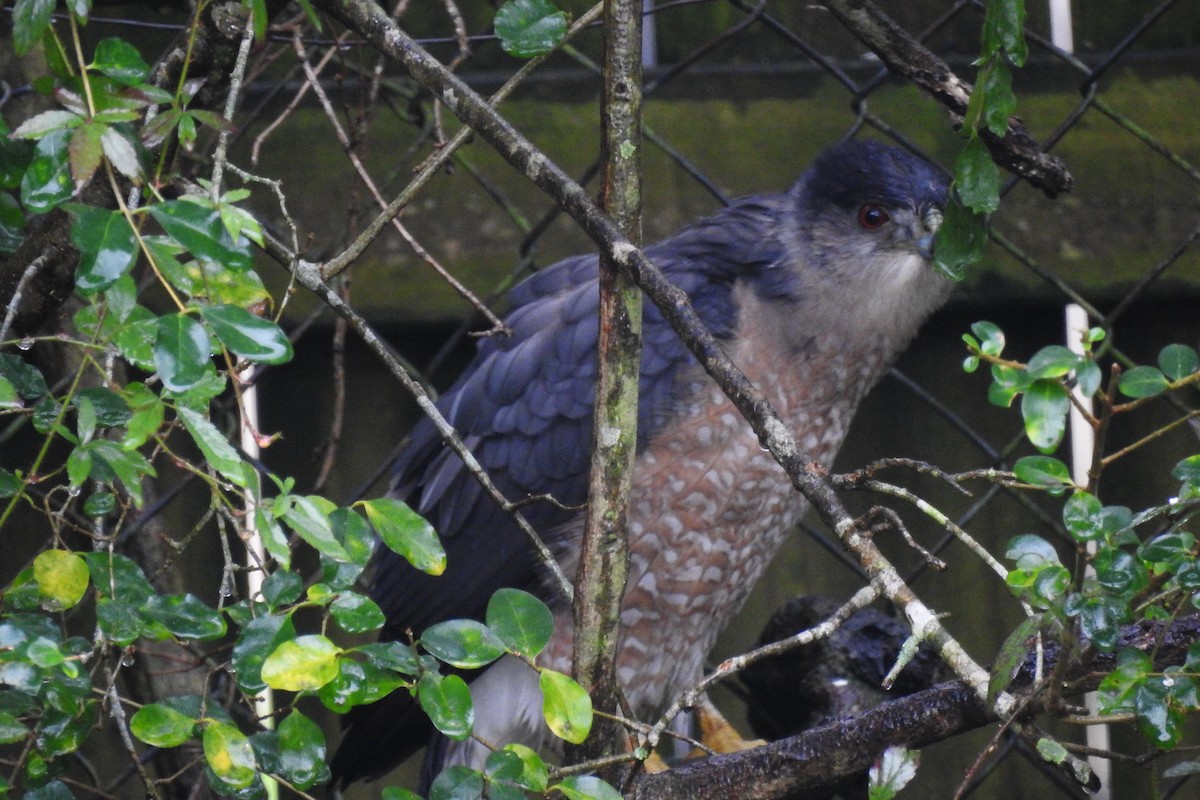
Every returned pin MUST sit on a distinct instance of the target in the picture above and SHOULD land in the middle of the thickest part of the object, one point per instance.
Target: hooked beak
(932, 221)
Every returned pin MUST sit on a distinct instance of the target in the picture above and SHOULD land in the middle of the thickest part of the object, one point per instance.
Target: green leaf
(107, 247)
(586, 787)
(30, 19)
(25, 377)
(357, 684)
(1003, 24)
(1100, 618)
(976, 178)
(1011, 655)
(186, 616)
(120, 61)
(463, 643)
(397, 793)
(9, 484)
(120, 623)
(521, 621)
(1142, 382)
(257, 640)
(309, 517)
(1188, 470)
(1119, 571)
(217, 450)
(181, 351)
(1051, 362)
(199, 229)
(407, 533)
(229, 754)
(1007, 383)
(282, 588)
(959, 240)
(11, 730)
(249, 336)
(109, 407)
(1172, 547)
(529, 28)
(999, 102)
(1178, 361)
(47, 181)
(447, 701)
(161, 726)
(355, 613)
(458, 783)
(302, 751)
(1087, 377)
(62, 579)
(110, 460)
(302, 664)
(566, 706)
(1045, 407)
(12, 224)
(395, 656)
(534, 773)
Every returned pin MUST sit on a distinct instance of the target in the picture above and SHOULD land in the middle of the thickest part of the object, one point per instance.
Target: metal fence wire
(738, 98)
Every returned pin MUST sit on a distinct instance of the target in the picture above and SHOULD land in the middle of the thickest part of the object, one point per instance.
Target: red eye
(872, 217)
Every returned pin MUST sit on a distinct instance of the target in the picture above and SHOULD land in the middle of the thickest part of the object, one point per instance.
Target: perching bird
(812, 293)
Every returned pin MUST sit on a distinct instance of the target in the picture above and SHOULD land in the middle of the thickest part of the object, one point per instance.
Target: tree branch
(1016, 151)
(604, 553)
(825, 755)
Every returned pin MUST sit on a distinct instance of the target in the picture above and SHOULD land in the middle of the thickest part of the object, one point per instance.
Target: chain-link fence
(739, 97)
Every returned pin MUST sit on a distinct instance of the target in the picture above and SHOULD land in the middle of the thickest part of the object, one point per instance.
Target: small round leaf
(302, 664)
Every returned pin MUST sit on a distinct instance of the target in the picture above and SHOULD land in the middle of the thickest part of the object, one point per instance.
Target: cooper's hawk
(812, 292)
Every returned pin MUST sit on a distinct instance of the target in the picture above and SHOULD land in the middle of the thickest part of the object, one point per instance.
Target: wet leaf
(257, 640)
(1177, 361)
(199, 229)
(247, 335)
(447, 701)
(107, 247)
(186, 616)
(229, 754)
(407, 533)
(302, 751)
(30, 19)
(529, 28)
(1049, 473)
(355, 613)
(976, 178)
(302, 664)
(217, 450)
(1142, 382)
(62, 579)
(463, 643)
(181, 351)
(586, 787)
(1045, 407)
(161, 726)
(47, 181)
(522, 622)
(120, 61)
(565, 706)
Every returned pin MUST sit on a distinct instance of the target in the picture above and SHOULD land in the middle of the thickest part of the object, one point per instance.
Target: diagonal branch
(1016, 151)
